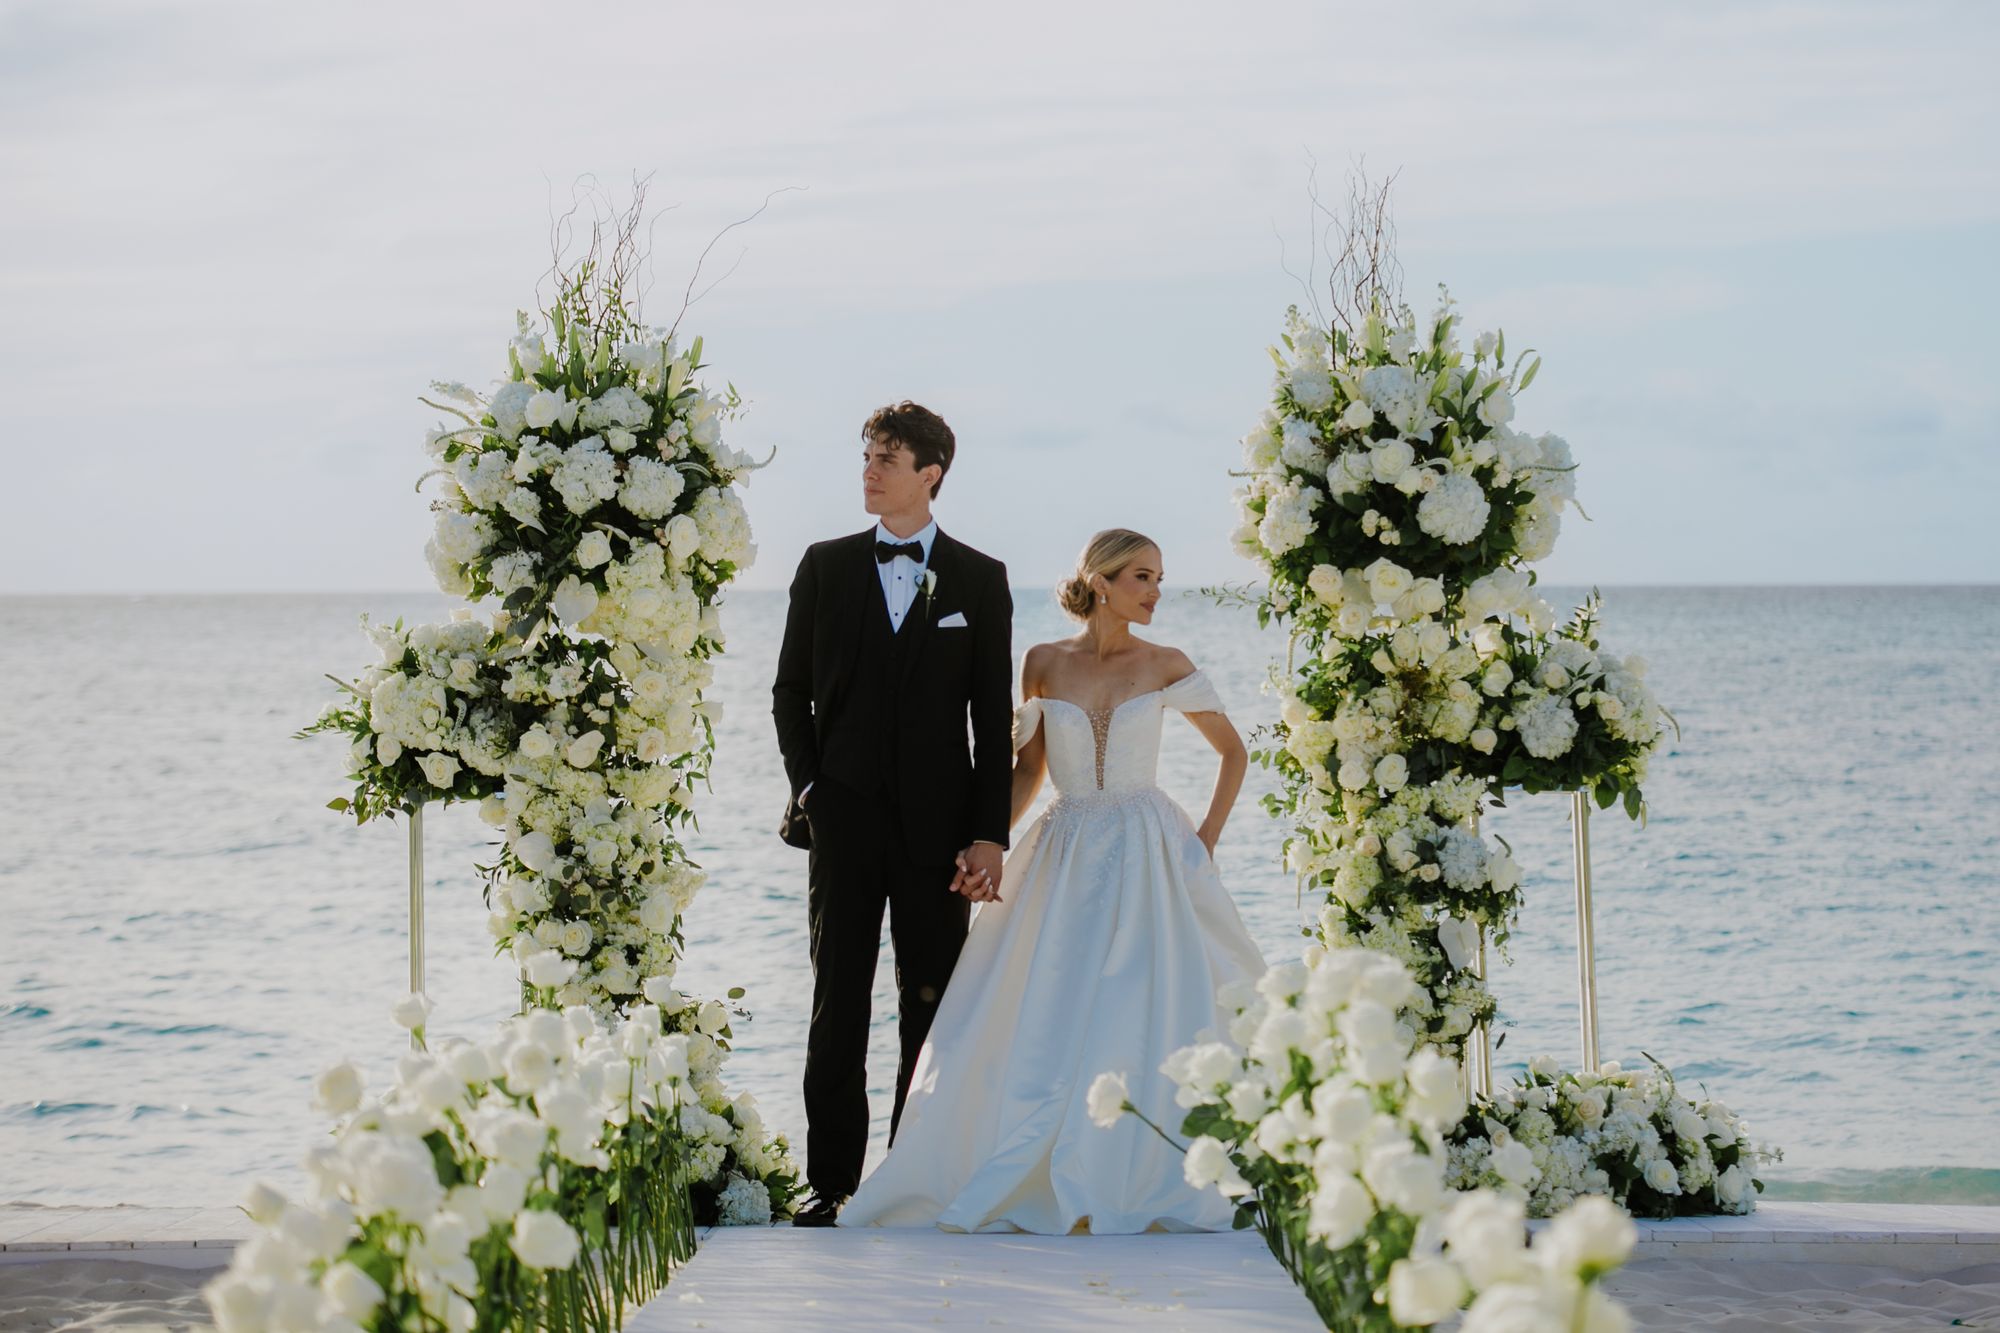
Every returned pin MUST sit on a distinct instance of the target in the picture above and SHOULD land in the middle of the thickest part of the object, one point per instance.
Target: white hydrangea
(1455, 510)
(509, 408)
(651, 488)
(1461, 855)
(587, 475)
(616, 406)
(1393, 391)
(1554, 473)
(1261, 444)
(1287, 521)
(744, 1202)
(461, 537)
(724, 528)
(1537, 524)
(1311, 387)
(1301, 448)
(483, 478)
(1547, 724)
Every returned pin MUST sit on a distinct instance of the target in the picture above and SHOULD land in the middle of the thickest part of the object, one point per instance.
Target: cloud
(240, 237)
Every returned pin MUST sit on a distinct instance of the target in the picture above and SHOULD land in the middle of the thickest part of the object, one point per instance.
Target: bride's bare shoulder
(1037, 663)
(1171, 663)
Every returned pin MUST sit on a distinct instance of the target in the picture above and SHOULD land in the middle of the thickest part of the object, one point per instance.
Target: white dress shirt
(902, 576)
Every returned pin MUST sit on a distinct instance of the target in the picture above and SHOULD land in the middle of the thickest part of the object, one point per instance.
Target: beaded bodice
(1115, 749)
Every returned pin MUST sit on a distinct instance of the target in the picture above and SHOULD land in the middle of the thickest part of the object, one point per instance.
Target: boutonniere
(930, 588)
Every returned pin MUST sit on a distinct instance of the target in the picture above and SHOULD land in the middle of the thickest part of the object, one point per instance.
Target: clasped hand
(978, 876)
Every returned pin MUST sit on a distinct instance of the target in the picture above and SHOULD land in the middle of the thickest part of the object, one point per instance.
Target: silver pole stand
(1482, 1058)
(1479, 1056)
(416, 905)
(1586, 931)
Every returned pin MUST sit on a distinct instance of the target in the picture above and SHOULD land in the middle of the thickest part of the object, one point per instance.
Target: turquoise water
(1809, 924)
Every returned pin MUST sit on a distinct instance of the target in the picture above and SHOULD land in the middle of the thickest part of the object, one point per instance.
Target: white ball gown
(1104, 953)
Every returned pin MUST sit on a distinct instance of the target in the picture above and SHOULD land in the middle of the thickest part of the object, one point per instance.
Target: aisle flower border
(1326, 1118)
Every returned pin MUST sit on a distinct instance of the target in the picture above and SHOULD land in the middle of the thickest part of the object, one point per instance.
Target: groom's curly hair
(912, 426)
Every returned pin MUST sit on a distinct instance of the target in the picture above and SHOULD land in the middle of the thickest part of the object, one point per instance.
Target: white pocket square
(956, 620)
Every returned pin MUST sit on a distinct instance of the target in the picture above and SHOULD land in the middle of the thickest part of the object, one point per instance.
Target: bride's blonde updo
(1107, 553)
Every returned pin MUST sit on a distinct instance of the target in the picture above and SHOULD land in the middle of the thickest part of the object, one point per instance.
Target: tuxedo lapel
(859, 585)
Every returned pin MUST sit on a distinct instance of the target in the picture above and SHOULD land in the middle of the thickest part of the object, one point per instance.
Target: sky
(1752, 242)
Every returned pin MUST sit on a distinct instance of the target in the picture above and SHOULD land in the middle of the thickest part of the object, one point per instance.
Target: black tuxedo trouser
(859, 863)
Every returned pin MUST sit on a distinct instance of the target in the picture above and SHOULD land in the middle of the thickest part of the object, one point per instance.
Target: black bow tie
(887, 551)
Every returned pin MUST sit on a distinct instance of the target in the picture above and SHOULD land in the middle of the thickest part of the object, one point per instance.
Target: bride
(1099, 951)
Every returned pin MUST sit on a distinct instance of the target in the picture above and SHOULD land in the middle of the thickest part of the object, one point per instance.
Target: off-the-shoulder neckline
(1051, 699)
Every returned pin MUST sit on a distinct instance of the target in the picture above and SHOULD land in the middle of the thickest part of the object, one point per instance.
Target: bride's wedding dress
(1103, 954)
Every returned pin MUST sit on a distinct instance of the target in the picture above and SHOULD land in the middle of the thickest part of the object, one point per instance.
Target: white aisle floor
(759, 1279)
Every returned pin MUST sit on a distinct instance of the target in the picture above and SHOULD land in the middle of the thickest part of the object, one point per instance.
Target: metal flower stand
(1479, 1054)
(416, 905)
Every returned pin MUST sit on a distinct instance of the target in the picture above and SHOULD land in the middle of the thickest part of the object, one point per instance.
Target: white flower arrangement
(1326, 1119)
(591, 495)
(1393, 506)
(1555, 1136)
(429, 722)
(469, 1194)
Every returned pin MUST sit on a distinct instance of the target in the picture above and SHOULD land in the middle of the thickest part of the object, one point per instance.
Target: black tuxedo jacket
(950, 791)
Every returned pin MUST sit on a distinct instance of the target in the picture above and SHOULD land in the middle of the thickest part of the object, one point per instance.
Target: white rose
(502, 1191)
(1207, 1161)
(543, 1240)
(546, 967)
(1590, 1237)
(683, 537)
(1391, 772)
(1340, 1211)
(349, 1292)
(1405, 1179)
(1483, 739)
(1422, 1291)
(544, 409)
(1733, 1185)
(1326, 584)
(1387, 580)
(1390, 460)
(412, 1011)
(439, 769)
(1514, 1162)
(1106, 1100)
(338, 1090)
(1661, 1176)
(264, 1204)
(593, 549)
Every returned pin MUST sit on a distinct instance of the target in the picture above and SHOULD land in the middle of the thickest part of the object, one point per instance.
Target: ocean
(1808, 925)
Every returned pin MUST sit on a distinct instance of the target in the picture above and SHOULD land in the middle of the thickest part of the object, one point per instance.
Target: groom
(895, 637)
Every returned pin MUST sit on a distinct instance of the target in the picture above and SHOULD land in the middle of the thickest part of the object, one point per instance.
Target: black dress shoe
(820, 1210)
